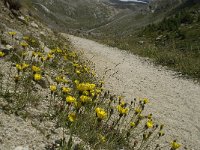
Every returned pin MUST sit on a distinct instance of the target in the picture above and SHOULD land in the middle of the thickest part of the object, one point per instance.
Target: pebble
(21, 148)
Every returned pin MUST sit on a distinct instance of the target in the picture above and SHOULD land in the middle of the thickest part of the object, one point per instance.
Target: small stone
(33, 24)
(21, 148)
(9, 47)
(22, 18)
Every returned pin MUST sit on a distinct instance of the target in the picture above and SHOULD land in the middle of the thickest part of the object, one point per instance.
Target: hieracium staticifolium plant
(79, 103)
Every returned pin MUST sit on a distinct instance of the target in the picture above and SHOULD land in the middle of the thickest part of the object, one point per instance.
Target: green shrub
(13, 4)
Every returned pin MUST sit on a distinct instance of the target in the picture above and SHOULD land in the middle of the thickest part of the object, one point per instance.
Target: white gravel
(174, 101)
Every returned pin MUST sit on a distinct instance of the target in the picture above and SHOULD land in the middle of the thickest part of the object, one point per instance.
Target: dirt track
(174, 101)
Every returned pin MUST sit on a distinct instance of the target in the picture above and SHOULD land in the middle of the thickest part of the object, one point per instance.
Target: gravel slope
(174, 101)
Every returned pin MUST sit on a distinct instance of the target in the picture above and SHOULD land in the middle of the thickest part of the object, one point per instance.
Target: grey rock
(33, 24)
(22, 18)
(21, 148)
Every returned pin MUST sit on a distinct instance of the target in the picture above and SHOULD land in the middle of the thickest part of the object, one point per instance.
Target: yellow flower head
(66, 90)
(72, 54)
(24, 44)
(34, 54)
(2, 54)
(25, 38)
(122, 103)
(36, 69)
(19, 67)
(60, 79)
(49, 56)
(24, 66)
(121, 110)
(58, 50)
(37, 77)
(86, 93)
(78, 72)
(138, 110)
(146, 100)
(43, 58)
(149, 124)
(76, 82)
(72, 117)
(70, 99)
(175, 145)
(85, 99)
(53, 88)
(102, 138)
(85, 86)
(101, 113)
(12, 33)
(132, 124)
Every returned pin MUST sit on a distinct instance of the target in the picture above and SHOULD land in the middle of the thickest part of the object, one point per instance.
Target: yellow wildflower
(12, 33)
(19, 67)
(25, 38)
(72, 117)
(101, 113)
(98, 91)
(70, 99)
(24, 66)
(37, 77)
(132, 124)
(175, 145)
(102, 138)
(138, 110)
(146, 100)
(24, 44)
(122, 103)
(121, 110)
(66, 89)
(149, 124)
(58, 50)
(85, 99)
(49, 56)
(77, 104)
(86, 93)
(72, 54)
(2, 54)
(33, 41)
(78, 72)
(92, 92)
(53, 88)
(85, 86)
(59, 79)
(76, 82)
(36, 69)
(75, 65)
(43, 58)
(34, 54)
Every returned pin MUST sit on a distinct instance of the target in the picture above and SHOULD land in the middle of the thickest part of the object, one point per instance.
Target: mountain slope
(170, 39)
(74, 14)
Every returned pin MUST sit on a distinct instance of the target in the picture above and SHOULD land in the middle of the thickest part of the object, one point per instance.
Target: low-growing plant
(13, 4)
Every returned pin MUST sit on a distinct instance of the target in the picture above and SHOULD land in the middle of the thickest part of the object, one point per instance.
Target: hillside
(62, 92)
(169, 38)
(51, 98)
(79, 14)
